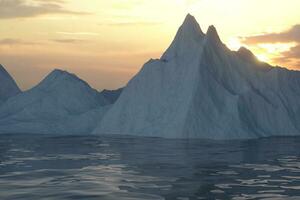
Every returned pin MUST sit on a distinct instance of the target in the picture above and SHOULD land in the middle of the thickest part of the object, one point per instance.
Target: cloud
(18, 42)
(138, 23)
(134, 4)
(294, 52)
(291, 56)
(68, 41)
(291, 35)
(10, 9)
(12, 42)
(77, 33)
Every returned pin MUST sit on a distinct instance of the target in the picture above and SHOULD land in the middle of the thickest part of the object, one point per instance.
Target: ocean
(37, 167)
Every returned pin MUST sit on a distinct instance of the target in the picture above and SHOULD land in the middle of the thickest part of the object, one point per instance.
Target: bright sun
(234, 44)
(262, 57)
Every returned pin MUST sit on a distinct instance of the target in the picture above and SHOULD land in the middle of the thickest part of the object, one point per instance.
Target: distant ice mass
(197, 89)
(61, 104)
(201, 89)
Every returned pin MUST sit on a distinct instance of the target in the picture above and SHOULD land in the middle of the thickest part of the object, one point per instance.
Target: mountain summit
(201, 89)
(190, 28)
(187, 38)
(212, 34)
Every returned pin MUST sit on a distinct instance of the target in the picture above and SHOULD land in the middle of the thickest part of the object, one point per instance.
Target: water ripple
(108, 168)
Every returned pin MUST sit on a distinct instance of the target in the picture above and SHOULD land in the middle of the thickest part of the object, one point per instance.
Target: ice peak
(60, 77)
(190, 27)
(3, 70)
(188, 36)
(245, 53)
(244, 50)
(5, 75)
(189, 19)
(212, 34)
(8, 86)
(60, 73)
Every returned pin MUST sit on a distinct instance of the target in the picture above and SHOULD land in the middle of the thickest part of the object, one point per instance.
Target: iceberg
(61, 104)
(201, 89)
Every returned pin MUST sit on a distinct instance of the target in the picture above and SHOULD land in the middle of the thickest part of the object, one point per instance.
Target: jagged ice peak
(189, 34)
(190, 27)
(212, 34)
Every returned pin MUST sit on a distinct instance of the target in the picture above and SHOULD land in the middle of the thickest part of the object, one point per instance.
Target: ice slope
(61, 104)
(201, 89)
(112, 95)
(8, 86)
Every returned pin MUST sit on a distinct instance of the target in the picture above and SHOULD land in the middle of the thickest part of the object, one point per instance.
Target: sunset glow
(107, 42)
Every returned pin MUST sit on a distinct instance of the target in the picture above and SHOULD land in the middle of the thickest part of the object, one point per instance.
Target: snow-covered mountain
(201, 89)
(8, 86)
(62, 104)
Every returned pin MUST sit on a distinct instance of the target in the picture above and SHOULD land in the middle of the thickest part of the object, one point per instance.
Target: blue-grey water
(53, 168)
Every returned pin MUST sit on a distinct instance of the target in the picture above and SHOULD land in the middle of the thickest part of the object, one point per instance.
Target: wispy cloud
(10, 9)
(13, 42)
(132, 4)
(291, 35)
(18, 42)
(68, 41)
(294, 52)
(137, 23)
(290, 56)
(77, 33)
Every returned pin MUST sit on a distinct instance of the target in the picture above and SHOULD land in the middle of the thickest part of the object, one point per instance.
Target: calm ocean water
(53, 168)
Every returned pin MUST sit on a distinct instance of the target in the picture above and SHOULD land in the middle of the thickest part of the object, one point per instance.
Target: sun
(263, 57)
(234, 44)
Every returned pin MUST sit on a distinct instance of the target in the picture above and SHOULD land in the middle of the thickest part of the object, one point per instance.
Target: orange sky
(107, 42)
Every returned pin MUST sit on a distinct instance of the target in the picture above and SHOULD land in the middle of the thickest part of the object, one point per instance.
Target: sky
(107, 42)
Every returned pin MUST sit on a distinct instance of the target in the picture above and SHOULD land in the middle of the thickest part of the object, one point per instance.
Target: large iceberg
(201, 89)
(61, 104)
(8, 86)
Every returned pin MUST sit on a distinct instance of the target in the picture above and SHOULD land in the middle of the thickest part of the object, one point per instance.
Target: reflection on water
(40, 167)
